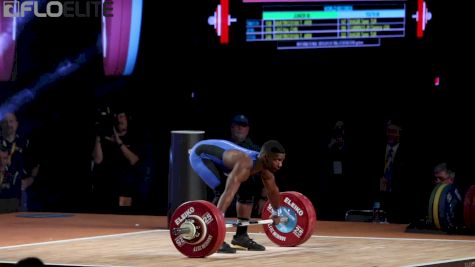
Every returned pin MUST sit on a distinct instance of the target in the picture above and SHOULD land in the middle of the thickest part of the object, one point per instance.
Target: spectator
(337, 174)
(30, 262)
(19, 158)
(394, 185)
(443, 174)
(240, 132)
(393, 137)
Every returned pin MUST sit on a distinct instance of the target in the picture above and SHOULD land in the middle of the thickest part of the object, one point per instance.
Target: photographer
(116, 158)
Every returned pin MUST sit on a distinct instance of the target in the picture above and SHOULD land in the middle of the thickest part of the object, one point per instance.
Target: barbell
(189, 228)
(198, 228)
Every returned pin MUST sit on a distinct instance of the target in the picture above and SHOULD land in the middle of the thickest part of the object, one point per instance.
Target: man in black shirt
(116, 158)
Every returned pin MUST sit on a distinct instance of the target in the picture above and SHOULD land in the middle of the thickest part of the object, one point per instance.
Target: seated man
(443, 174)
(207, 157)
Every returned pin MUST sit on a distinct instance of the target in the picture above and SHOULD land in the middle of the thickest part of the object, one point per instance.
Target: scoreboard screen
(311, 24)
(327, 25)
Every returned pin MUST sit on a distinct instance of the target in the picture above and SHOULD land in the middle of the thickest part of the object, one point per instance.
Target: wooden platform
(119, 240)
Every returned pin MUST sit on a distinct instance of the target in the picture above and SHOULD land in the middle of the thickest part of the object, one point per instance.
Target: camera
(105, 122)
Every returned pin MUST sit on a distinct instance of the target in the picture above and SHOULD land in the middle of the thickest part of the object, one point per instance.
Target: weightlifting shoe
(245, 242)
(226, 248)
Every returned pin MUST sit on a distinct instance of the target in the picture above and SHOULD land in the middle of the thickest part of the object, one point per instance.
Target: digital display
(316, 25)
(309, 24)
(325, 1)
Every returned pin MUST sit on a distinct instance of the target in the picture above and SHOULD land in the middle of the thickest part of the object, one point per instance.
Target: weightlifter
(209, 157)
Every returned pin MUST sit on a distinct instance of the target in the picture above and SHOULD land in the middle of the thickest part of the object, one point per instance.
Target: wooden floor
(119, 240)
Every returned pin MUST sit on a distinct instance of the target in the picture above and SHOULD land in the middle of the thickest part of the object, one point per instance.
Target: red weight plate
(472, 212)
(208, 223)
(224, 39)
(301, 220)
(420, 18)
(467, 206)
(311, 214)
